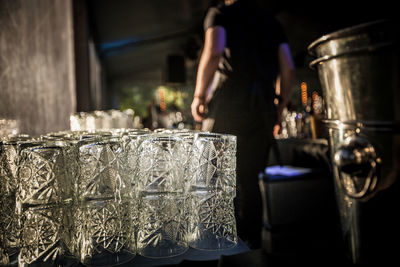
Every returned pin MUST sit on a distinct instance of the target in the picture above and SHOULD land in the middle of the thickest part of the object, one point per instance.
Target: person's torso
(252, 42)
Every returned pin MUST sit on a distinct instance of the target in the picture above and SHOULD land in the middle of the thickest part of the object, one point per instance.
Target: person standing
(245, 59)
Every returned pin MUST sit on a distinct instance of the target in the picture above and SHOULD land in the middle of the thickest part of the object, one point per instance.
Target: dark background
(64, 56)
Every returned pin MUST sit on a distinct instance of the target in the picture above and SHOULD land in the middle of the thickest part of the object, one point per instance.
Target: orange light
(314, 99)
(303, 87)
(161, 95)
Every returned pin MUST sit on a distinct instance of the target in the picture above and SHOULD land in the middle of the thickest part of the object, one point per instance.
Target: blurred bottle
(316, 116)
(306, 112)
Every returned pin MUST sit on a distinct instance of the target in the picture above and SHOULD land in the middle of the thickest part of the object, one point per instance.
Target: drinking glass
(212, 223)
(9, 127)
(9, 162)
(41, 232)
(44, 186)
(131, 142)
(102, 225)
(115, 118)
(159, 167)
(78, 121)
(213, 162)
(101, 159)
(42, 176)
(161, 228)
(212, 188)
(103, 232)
(128, 118)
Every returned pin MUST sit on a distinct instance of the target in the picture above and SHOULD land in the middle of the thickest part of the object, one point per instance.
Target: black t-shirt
(252, 41)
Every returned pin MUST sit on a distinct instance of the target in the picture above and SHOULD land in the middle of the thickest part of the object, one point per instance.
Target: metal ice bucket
(359, 71)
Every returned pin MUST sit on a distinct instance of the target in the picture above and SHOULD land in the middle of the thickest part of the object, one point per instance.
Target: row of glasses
(103, 119)
(100, 224)
(103, 196)
(199, 205)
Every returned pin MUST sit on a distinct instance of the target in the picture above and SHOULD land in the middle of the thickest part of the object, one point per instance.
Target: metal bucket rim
(349, 31)
(367, 49)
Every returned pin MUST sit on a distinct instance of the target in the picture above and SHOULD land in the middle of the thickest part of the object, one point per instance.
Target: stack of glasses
(102, 197)
(104, 119)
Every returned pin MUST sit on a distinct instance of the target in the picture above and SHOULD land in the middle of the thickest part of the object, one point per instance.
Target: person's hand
(198, 108)
(276, 129)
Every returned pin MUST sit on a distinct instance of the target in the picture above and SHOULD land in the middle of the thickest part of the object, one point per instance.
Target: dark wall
(37, 81)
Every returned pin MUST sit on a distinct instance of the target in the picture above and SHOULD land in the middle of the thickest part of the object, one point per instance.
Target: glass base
(211, 242)
(108, 259)
(163, 251)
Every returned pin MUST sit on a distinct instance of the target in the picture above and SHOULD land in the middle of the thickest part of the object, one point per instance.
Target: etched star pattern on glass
(42, 176)
(212, 186)
(131, 142)
(9, 162)
(8, 229)
(212, 223)
(160, 169)
(100, 163)
(101, 196)
(106, 233)
(160, 178)
(213, 161)
(8, 184)
(162, 232)
(41, 233)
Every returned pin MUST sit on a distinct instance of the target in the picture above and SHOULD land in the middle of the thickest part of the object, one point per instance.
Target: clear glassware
(128, 118)
(161, 230)
(44, 186)
(41, 232)
(9, 127)
(9, 162)
(90, 121)
(212, 188)
(68, 141)
(42, 176)
(101, 158)
(212, 223)
(106, 120)
(103, 232)
(160, 169)
(131, 142)
(102, 225)
(116, 117)
(98, 116)
(213, 162)
(78, 121)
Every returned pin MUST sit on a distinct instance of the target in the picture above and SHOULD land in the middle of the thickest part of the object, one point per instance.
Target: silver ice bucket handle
(357, 158)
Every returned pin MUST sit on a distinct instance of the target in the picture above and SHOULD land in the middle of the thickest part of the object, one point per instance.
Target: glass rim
(211, 135)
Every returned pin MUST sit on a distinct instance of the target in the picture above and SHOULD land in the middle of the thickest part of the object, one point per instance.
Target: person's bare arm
(214, 46)
(286, 77)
